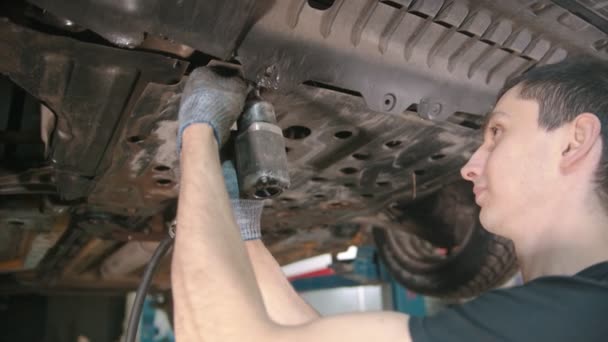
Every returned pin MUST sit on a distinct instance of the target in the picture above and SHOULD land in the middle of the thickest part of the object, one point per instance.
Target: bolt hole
(135, 139)
(321, 5)
(162, 168)
(343, 134)
(349, 185)
(296, 132)
(361, 156)
(419, 172)
(163, 182)
(318, 179)
(367, 195)
(319, 196)
(437, 156)
(287, 149)
(412, 108)
(349, 170)
(383, 183)
(393, 144)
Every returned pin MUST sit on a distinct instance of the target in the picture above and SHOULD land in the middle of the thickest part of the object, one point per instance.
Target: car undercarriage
(380, 103)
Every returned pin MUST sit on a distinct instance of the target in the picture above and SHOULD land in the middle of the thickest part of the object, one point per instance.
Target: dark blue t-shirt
(554, 308)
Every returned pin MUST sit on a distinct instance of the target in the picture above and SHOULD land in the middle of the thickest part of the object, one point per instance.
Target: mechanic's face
(515, 168)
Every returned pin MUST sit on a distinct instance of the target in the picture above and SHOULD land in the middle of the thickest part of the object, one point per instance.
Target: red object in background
(318, 273)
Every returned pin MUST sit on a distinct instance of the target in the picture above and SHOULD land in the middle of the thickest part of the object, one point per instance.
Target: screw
(429, 109)
(269, 78)
(388, 102)
(435, 109)
(269, 70)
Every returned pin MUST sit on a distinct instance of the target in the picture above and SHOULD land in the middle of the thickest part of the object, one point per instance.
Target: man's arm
(283, 304)
(215, 291)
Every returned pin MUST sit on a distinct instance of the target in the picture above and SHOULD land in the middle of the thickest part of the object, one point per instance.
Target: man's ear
(583, 135)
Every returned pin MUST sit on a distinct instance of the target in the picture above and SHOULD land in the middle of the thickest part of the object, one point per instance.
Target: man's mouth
(478, 191)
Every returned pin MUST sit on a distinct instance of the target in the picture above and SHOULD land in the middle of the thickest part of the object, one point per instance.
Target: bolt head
(435, 108)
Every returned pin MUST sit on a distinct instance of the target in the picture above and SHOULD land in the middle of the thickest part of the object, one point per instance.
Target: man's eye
(495, 130)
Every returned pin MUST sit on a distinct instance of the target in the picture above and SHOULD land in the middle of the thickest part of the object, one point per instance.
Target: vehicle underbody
(380, 103)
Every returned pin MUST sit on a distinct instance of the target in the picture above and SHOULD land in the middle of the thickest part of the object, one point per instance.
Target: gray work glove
(247, 213)
(214, 96)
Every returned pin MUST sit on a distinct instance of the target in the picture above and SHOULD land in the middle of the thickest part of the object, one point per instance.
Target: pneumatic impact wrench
(261, 161)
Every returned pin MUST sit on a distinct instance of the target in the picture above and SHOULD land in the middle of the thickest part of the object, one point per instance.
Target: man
(540, 177)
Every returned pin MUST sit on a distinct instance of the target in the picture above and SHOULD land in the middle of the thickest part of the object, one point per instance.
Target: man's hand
(214, 96)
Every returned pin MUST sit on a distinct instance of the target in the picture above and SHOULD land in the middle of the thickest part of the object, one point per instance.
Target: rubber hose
(140, 295)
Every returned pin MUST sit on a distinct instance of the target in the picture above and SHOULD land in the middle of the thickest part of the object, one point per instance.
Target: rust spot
(336, 205)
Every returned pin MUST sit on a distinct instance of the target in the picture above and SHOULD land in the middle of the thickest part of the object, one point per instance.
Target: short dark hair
(563, 91)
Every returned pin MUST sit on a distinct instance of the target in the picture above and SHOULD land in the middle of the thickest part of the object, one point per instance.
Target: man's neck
(566, 245)
(567, 259)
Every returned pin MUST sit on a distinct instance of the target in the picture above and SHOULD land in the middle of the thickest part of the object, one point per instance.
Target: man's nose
(474, 167)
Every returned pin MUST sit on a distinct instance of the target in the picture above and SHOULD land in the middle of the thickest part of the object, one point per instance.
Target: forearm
(214, 284)
(297, 321)
(353, 327)
(283, 304)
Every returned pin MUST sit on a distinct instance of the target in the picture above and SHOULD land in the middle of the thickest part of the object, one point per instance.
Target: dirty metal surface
(357, 84)
(211, 26)
(593, 12)
(30, 227)
(142, 177)
(445, 56)
(345, 161)
(87, 86)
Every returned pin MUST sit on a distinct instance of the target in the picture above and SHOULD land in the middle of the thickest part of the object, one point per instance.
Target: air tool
(260, 157)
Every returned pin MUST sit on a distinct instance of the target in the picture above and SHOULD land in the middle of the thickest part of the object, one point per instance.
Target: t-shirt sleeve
(544, 311)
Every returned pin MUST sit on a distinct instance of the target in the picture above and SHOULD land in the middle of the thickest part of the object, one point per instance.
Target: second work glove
(247, 213)
(213, 96)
